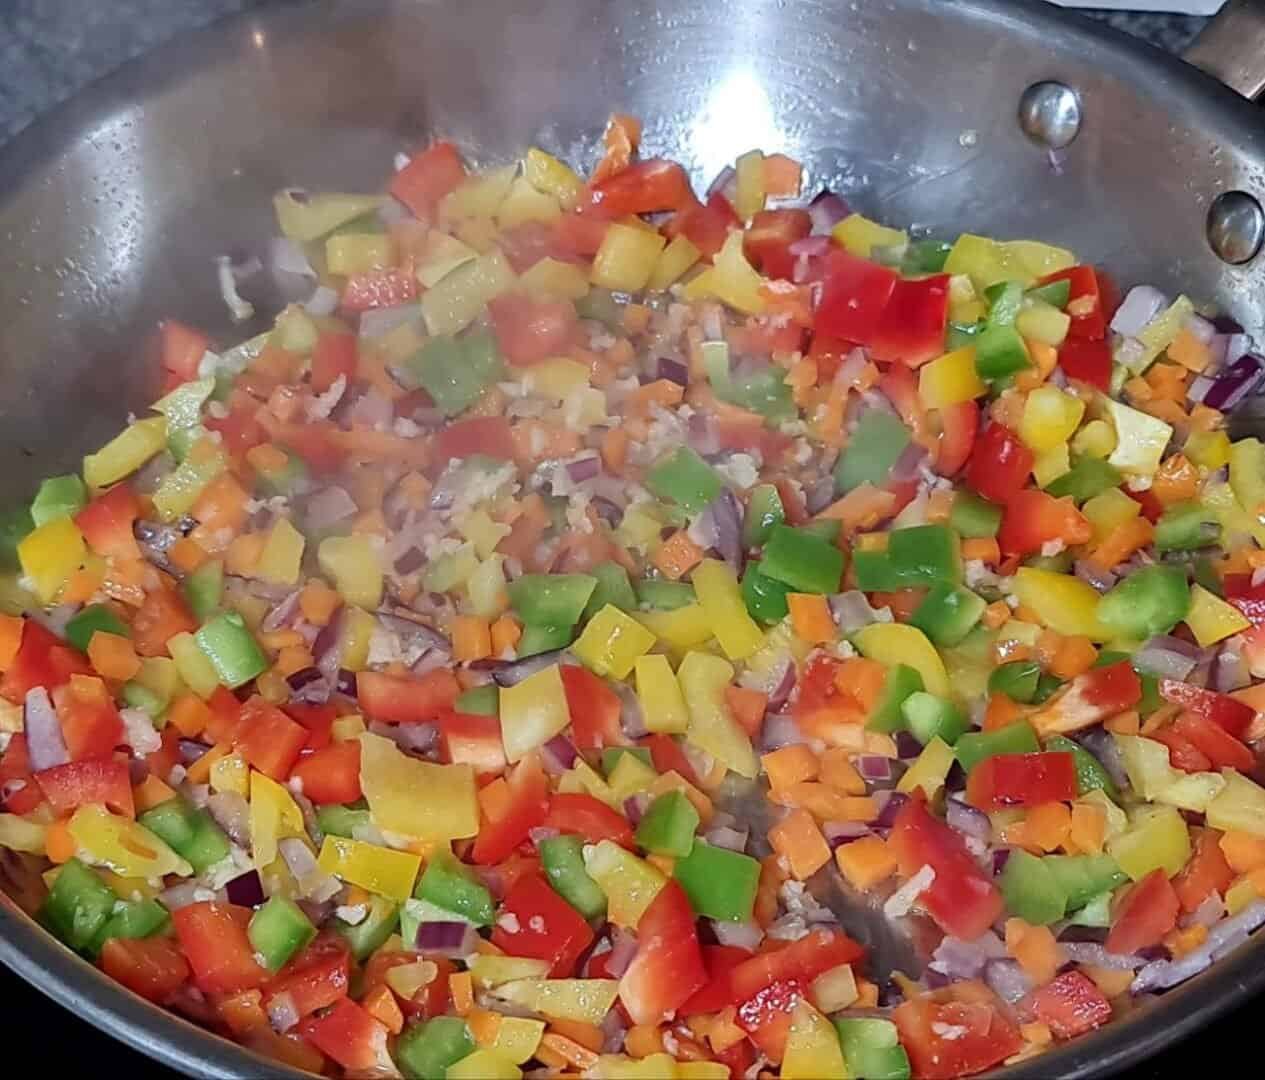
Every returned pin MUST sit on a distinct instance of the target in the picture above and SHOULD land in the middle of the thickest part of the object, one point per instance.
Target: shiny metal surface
(112, 210)
(1236, 226)
(1050, 114)
(1232, 48)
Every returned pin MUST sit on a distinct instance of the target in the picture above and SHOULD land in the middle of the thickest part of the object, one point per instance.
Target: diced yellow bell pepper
(717, 588)
(358, 253)
(355, 566)
(1161, 332)
(231, 773)
(273, 815)
(1062, 602)
(552, 177)
(480, 195)
(490, 971)
(611, 643)
(581, 779)
(630, 777)
(584, 408)
(346, 728)
(1192, 791)
(930, 770)
(584, 1000)
(180, 490)
(161, 677)
(126, 452)
(1051, 464)
(50, 554)
(1097, 439)
(731, 279)
(478, 527)
(417, 798)
(443, 255)
(119, 843)
(896, 643)
(659, 694)
(1247, 474)
(486, 590)
(1117, 819)
(630, 883)
(484, 1065)
(1241, 805)
(456, 301)
(381, 870)
(1239, 895)
(703, 679)
(749, 184)
(1156, 838)
(1208, 449)
(1147, 763)
(195, 669)
(813, 1051)
(988, 262)
(533, 712)
(517, 1037)
(19, 834)
(682, 628)
(1211, 619)
(556, 378)
(316, 215)
(1050, 416)
(640, 527)
(702, 1070)
(450, 570)
(553, 279)
(860, 236)
(1108, 511)
(282, 554)
(1044, 323)
(355, 631)
(674, 260)
(626, 258)
(1140, 440)
(658, 1066)
(524, 203)
(951, 379)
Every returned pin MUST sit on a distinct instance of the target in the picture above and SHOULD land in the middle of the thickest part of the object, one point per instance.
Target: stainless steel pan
(112, 209)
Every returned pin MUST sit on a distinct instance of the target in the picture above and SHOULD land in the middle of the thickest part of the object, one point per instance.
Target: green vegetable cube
(668, 826)
(720, 883)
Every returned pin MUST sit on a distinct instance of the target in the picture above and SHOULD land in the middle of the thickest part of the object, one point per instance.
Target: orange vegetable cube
(798, 839)
(789, 765)
(865, 862)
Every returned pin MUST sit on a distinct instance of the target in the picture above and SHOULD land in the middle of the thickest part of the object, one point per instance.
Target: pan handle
(1232, 47)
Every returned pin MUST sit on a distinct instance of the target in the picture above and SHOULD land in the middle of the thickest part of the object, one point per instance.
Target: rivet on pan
(1236, 227)
(1050, 114)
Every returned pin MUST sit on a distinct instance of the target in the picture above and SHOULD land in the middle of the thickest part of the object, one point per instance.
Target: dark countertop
(49, 50)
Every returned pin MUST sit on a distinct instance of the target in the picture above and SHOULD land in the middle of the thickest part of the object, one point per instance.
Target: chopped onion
(726, 837)
(1092, 574)
(55, 619)
(328, 507)
(906, 467)
(282, 614)
(1095, 954)
(322, 303)
(781, 692)
(741, 935)
(702, 434)
(1235, 383)
(673, 371)
(966, 959)
(1140, 306)
(1100, 743)
(558, 755)
(584, 469)
(452, 939)
(811, 245)
(378, 322)
(44, 742)
(1007, 980)
(635, 808)
(1230, 670)
(228, 276)
(901, 902)
(513, 674)
(232, 814)
(1208, 913)
(245, 890)
(844, 832)
(968, 820)
(287, 257)
(416, 738)
(326, 649)
(283, 1013)
(820, 495)
(723, 183)
(780, 729)
(907, 747)
(892, 801)
(727, 515)
(623, 949)
(184, 894)
(874, 767)
(1223, 938)
(826, 210)
(852, 611)
(703, 530)
(1167, 657)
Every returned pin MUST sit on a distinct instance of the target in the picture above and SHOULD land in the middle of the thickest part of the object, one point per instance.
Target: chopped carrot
(506, 633)
(461, 988)
(1001, 711)
(748, 707)
(1176, 480)
(642, 1040)
(1089, 828)
(724, 1032)
(666, 864)
(189, 715)
(996, 615)
(1168, 411)
(495, 799)
(861, 508)
(82, 585)
(1203, 418)
(150, 792)
(589, 1036)
(838, 771)
(985, 549)
(1048, 826)
(1180, 942)
(471, 637)
(318, 602)
(1035, 948)
(1167, 381)
(294, 658)
(789, 765)
(782, 176)
(483, 1025)
(279, 639)
(903, 602)
(862, 679)
(1244, 851)
(798, 839)
(243, 553)
(10, 638)
(677, 556)
(536, 441)
(826, 803)
(200, 771)
(380, 1003)
(615, 449)
(113, 656)
(1076, 656)
(1187, 350)
(1110, 981)
(939, 507)
(865, 862)
(59, 845)
(637, 320)
(1125, 723)
(811, 619)
(267, 458)
(867, 994)
(662, 392)
(1124, 540)
(1037, 1032)
(766, 895)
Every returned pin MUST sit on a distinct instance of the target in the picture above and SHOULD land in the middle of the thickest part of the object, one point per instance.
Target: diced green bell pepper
(479, 701)
(668, 826)
(765, 597)
(540, 638)
(805, 562)
(924, 555)
(975, 746)
(1088, 476)
(455, 372)
(959, 335)
(58, 497)
(888, 715)
(1090, 775)
(600, 306)
(1005, 298)
(1187, 526)
(924, 257)
(370, 934)
(335, 820)
(136, 696)
(133, 919)
(948, 613)
(720, 883)
(551, 599)
(1082, 877)
(1031, 890)
(1054, 293)
(1206, 575)
(1096, 913)
(232, 649)
(87, 622)
(188, 830)
(685, 479)
(563, 860)
(78, 906)
(278, 930)
(425, 1051)
(450, 884)
(1017, 680)
(15, 525)
(764, 510)
(613, 587)
(763, 391)
(1000, 351)
(874, 571)
(611, 755)
(204, 588)
(930, 717)
(1047, 684)
(659, 594)
(973, 516)
(1149, 601)
(872, 451)
(872, 1049)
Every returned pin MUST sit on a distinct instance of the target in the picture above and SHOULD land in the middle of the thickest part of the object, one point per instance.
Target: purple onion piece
(513, 674)
(1141, 304)
(906, 467)
(887, 816)
(584, 469)
(1000, 857)
(874, 767)
(453, 939)
(301, 678)
(1167, 657)
(838, 833)
(635, 808)
(1100, 743)
(826, 210)
(328, 507)
(282, 614)
(44, 741)
(411, 561)
(673, 371)
(245, 890)
(967, 819)
(781, 693)
(852, 610)
(191, 750)
(1235, 383)
(558, 754)
(907, 747)
(727, 515)
(325, 649)
(346, 683)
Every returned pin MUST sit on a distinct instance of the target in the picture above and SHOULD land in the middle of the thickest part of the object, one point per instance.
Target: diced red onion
(1096, 955)
(728, 838)
(781, 693)
(232, 814)
(55, 619)
(960, 959)
(558, 755)
(453, 939)
(283, 1013)
(739, 935)
(826, 210)
(346, 683)
(245, 890)
(906, 467)
(1092, 574)
(328, 507)
(415, 636)
(631, 720)
(513, 674)
(1167, 657)
(191, 750)
(702, 434)
(1201, 328)
(373, 410)
(322, 303)
(1235, 383)
(416, 738)
(635, 808)
(820, 495)
(287, 257)
(44, 741)
(673, 371)
(723, 183)
(411, 561)
(967, 820)
(308, 686)
(892, 805)
(1000, 858)
(137, 768)
(844, 832)
(907, 747)
(1100, 743)
(326, 648)
(1007, 980)
(298, 856)
(1199, 388)
(1230, 670)
(584, 469)
(1208, 913)
(1140, 306)
(623, 949)
(810, 245)
(281, 614)
(727, 515)
(703, 530)
(874, 767)
(852, 611)
(1222, 939)
(780, 729)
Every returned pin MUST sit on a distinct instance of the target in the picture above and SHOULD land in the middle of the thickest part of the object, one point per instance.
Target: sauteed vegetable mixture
(383, 696)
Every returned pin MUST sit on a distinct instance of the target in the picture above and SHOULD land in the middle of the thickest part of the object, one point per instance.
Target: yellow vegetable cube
(417, 798)
(525, 203)
(1062, 602)
(282, 555)
(192, 664)
(1096, 439)
(355, 631)
(484, 1065)
(630, 883)
(555, 379)
(443, 254)
(533, 712)
(813, 1050)
(122, 845)
(612, 642)
(1140, 440)
(50, 554)
(356, 253)
(517, 1037)
(317, 215)
(717, 588)
(552, 177)
(478, 196)
(860, 236)
(1241, 805)
(231, 773)
(749, 184)
(658, 1066)
(1050, 416)
(456, 301)
(630, 776)
(626, 258)
(1208, 449)
(355, 566)
(478, 527)
(1108, 511)
(273, 815)
(951, 379)
(1051, 464)
(553, 279)
(930, 770)
(381, 870)
(485, 588)
(682, 628)
(584, 1000)
(1211, 619)
(126, 452)
(703, 679)
(896, 643)
(489, 971)
(1157, 837)
(1239, 895)
(581, 779)
(659, 693)
(674, 260)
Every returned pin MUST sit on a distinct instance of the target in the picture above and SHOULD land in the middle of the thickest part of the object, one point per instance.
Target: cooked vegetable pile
(381, 698)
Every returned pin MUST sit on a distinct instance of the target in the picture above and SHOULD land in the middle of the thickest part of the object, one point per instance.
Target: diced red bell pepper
(588, 817)
(331, 775)
(100, 780)
(958, 427)
(1034, 519)
(717, 992)
(106, 523)
(240, 430)
(961, 899)
(182, 349)
(213, 938)
(911, 330)
(226, 714)
(90, 722)
(152, 967)
(1224, 711)
(737, 1058)
(829, 354)
(647, 187)
(1112, 688)
(530, 331)
(1146, 913)
(316, 443)
(1007, 780)
(667, 756)
(488, 435)
(1084, 303)
(316, 977)
(1152, 508)
(1221, 748)
(1182, 753)
(402, 699)
(1206, 872)
(378, 289)
(855, 294)
(817, 688)
(1087, 361)
(546, 926)
(1248, 598)
(668, 965)
(353, 1038)
(579, 235)
(705, 225)
(768, 239)
(595, 709)
(161, 616)
(334, 356)
(1070, 1005)
(429, 176)
(268, 739)
(167, 756)
(42, 660)
(955, 1032)
(431, 1000)
(23, 793)
(766, 1015)
(317, 719)
(468, 739)
(1000, 464)
(528, 806)
(802, 960)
